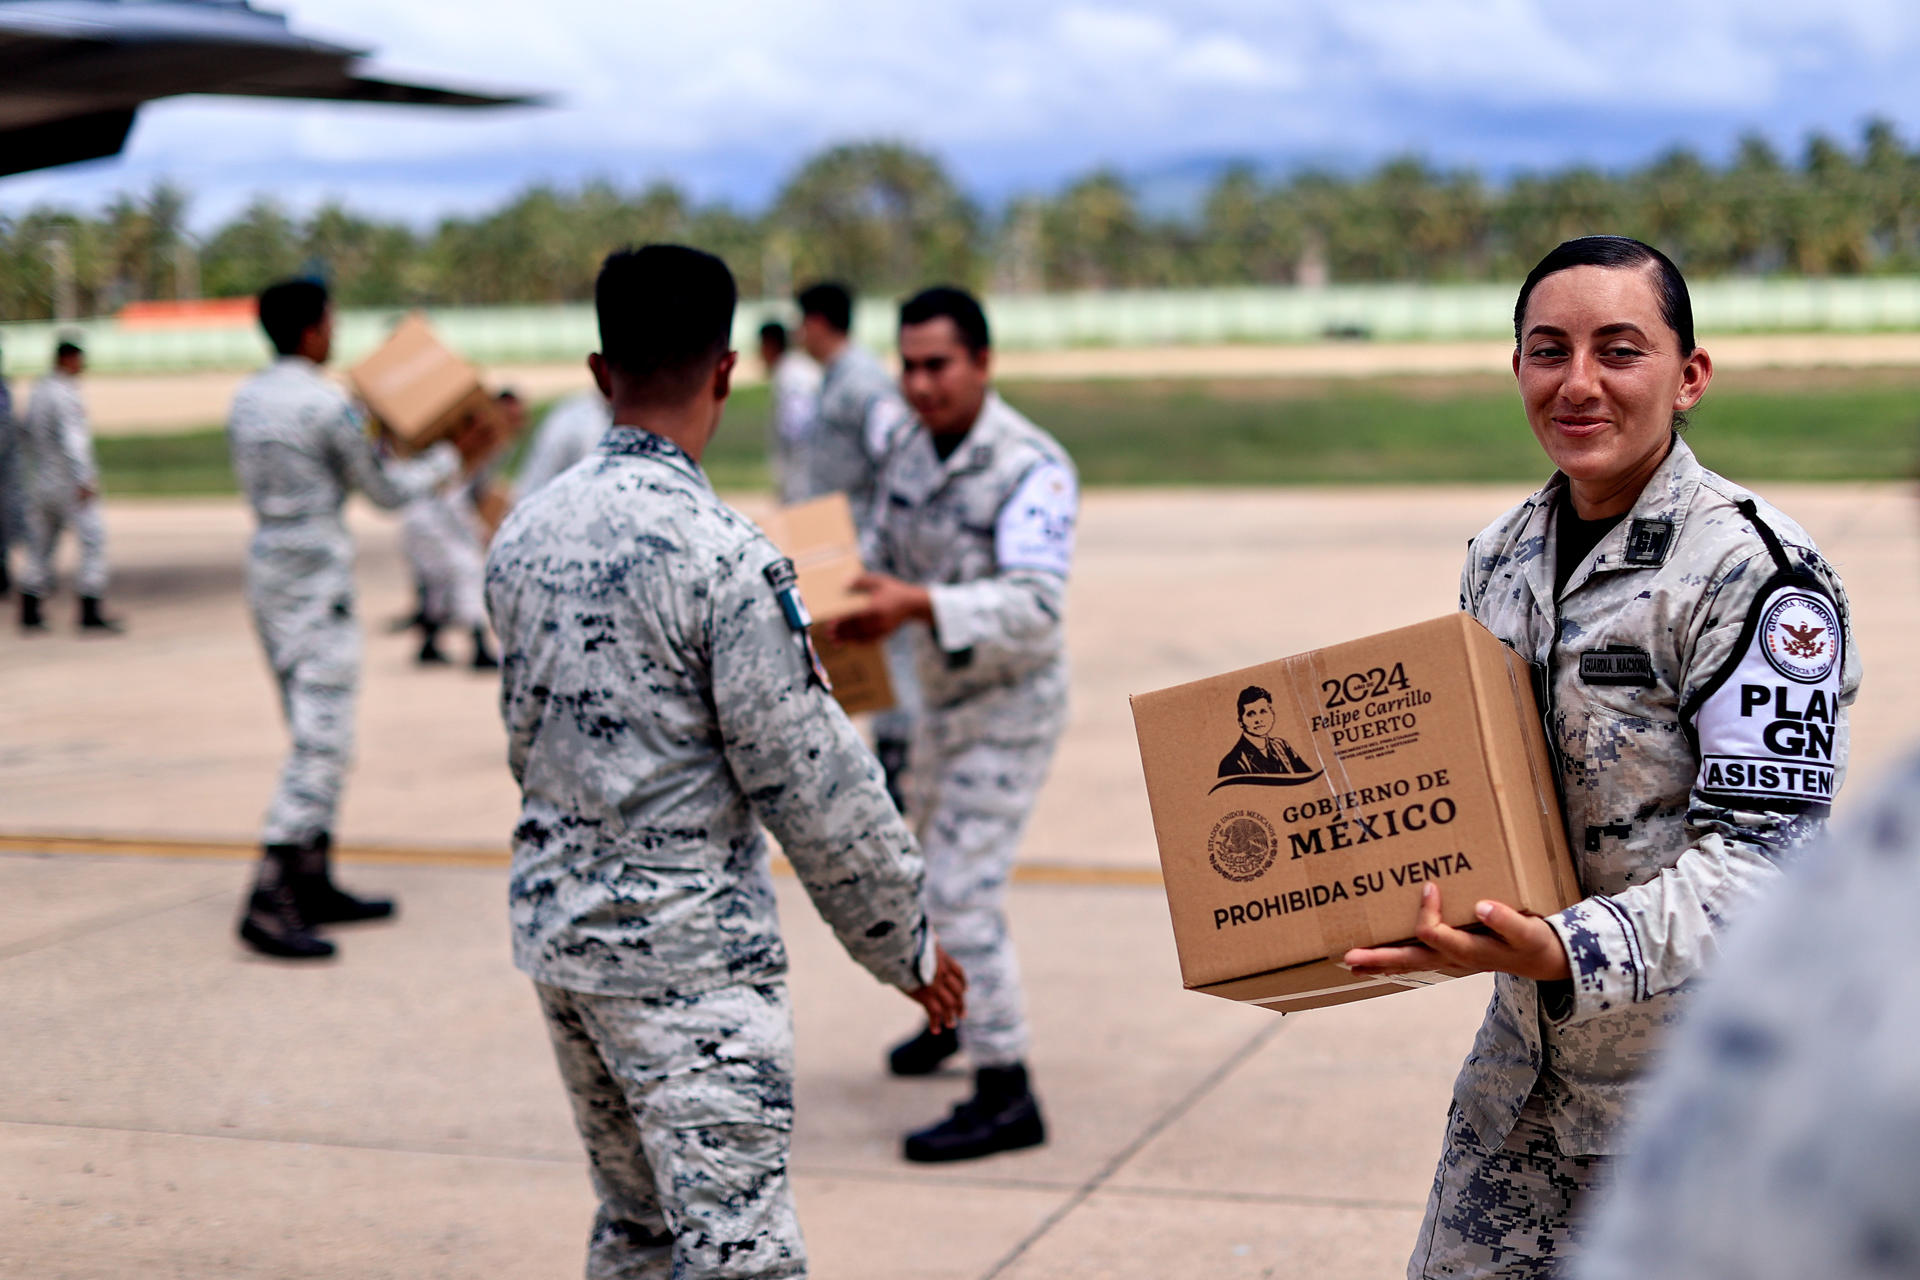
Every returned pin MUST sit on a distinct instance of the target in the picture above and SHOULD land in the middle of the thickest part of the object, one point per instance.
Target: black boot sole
(268, 944)
(914, 1058)
(366, 911)
(1014, 1137)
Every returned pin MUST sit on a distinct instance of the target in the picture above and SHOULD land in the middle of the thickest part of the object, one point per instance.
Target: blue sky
(727, 96)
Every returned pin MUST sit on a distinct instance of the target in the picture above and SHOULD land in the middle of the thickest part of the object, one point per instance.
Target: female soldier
(1693, 653)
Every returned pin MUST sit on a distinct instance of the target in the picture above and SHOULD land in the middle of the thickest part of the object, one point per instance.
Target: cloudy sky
(726, 96)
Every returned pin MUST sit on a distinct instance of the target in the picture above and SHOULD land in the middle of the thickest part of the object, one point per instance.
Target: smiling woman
(1693, 653)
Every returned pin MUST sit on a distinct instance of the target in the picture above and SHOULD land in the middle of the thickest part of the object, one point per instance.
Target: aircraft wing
(351, 88)
(74, 72)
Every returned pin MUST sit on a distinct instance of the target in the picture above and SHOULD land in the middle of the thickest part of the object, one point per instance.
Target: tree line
(887, 217)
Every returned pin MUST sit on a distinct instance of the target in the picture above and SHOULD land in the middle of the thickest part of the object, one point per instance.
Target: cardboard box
(819, 537)
(1295, 825)
(417, 389)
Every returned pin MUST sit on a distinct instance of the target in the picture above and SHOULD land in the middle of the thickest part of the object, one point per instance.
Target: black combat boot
(30, 619)
(483, 655)
(1002, 1115)
(273, 925)
(430, 655)
(91, 619)
(923, 1054)
(323, 902)
(892, 754)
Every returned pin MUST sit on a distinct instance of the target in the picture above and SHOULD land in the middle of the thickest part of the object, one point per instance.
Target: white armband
(1035, 529)
(1768, 724)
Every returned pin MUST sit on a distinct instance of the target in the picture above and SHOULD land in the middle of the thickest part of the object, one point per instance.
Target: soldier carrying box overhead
(663, 700)
(299, 448)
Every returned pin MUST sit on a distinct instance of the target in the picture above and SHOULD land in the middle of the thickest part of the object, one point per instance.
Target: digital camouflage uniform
(859, 411)
(299, 448)
(1779, 1138)
(12, 501)
(57, 459)
(568, 433)
(660, 704)
(1659, 693)
(794, 388)
(859, 408)
(445, 545)
(990, 532)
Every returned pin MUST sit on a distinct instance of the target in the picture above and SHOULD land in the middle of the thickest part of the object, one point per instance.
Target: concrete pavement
(174, 1107)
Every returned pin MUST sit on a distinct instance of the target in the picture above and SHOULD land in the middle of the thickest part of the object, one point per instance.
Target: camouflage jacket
(989, 530)
(567, 434)
(859, 406)
(659, 697)
(300, 447)
(1695, 750)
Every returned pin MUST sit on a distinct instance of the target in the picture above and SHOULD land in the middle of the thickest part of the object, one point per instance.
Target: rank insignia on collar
(1647, 541)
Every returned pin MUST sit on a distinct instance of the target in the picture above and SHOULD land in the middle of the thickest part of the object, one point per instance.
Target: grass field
(1802, 425)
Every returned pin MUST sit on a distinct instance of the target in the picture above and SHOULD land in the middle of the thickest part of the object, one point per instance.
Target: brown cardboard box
(417, 389)
(820, 539)
(1409, 756)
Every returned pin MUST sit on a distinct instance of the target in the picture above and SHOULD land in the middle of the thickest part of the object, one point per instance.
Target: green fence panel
(1118, 318)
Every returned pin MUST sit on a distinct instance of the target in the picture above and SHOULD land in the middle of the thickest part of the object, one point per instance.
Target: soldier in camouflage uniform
(62, 492)
(11, 524)
(1780, 1135)
(858, 411)
(793, 388)
(972, 537)
(299, 448)
(567, 434)
(662, 700)
(859, 404)
(1695, 660)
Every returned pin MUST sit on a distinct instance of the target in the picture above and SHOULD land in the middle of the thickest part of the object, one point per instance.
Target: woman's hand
(1520, 944)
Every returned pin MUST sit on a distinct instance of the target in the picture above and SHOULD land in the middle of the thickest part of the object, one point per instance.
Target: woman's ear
(1694, 377)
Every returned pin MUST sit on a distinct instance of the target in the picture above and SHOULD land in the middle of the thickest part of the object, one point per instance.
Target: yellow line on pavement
(468, 856)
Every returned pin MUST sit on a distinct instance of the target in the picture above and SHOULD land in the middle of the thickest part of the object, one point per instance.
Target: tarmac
(175, 1107)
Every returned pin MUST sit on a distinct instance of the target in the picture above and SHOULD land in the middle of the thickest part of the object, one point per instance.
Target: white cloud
(1022, 85)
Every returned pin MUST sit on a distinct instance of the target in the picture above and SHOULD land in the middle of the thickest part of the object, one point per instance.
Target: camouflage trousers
(685, 1105)
(897, 722)
(971, 802)
(304, 616)
(47, 519)
(1510, 1213)
(448, 561)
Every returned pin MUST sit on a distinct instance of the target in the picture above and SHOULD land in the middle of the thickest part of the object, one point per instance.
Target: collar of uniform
(1665, 500)
(975, 453)
(299, 364)
(624, 441)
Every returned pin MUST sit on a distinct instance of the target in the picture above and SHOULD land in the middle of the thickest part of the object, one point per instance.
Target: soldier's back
(638, 866)
(279, 431)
